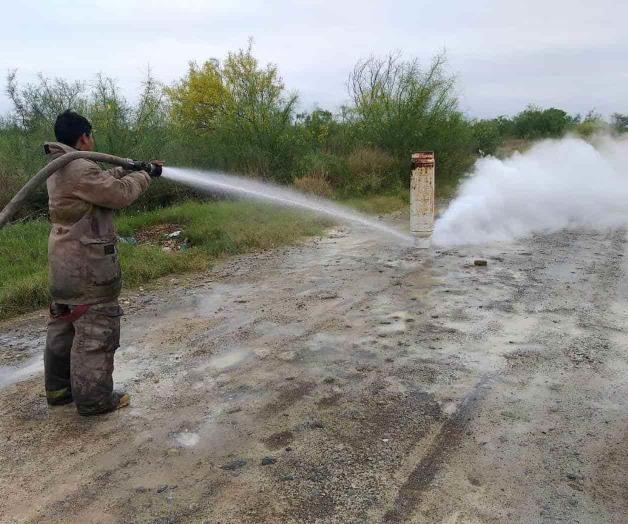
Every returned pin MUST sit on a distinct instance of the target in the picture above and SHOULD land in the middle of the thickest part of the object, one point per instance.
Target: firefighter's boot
(119, 400)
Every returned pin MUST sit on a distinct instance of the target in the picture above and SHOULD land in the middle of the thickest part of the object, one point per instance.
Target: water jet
(216, 182)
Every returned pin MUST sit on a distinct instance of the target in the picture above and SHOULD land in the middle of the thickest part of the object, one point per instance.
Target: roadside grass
(214, 230)
(378, 204)
(23, 274)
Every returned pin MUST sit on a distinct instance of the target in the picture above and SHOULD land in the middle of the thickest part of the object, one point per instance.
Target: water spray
(208, 181)
(222, 183)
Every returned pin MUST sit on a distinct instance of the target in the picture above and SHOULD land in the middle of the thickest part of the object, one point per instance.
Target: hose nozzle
(153, 170)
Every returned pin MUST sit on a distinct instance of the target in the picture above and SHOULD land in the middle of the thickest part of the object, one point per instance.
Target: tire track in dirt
(449, 436)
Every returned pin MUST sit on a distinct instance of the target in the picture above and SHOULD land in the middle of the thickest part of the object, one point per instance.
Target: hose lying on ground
(18, 200)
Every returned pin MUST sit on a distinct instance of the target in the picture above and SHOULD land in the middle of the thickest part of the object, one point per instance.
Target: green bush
(371, 170)
(592, 124)
(401, 107)
(316, 184)
(332, 167)
(534, 123)
(237, 116)
(487, 136)
(619, 123)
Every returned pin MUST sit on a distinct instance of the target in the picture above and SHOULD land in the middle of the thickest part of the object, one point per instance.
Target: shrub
(619, 123)
(592, 124)
(401, 107)
(534, 123)
(242, 110)
(486, 136)
(9, 185)
(370, 169)
(332, 167)
(315, 183)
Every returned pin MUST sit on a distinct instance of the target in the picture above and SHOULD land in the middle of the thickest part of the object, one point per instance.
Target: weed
(371, 169)
(315, 183)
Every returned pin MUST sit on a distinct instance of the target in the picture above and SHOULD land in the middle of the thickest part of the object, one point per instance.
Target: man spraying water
(84, 270)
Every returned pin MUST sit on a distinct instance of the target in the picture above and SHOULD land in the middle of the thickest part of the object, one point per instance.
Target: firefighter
(84, 271)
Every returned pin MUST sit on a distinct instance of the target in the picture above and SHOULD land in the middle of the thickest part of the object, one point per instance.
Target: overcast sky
(506, 54)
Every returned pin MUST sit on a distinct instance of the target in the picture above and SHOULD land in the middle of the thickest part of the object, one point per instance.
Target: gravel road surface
(345, 380)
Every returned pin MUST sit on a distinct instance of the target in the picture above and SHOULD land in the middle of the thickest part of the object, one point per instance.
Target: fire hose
(43, 174)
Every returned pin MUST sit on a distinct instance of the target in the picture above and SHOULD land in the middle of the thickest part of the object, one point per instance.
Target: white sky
(567, 53)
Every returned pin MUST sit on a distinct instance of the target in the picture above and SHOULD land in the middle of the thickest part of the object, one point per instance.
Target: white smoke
(556, 184)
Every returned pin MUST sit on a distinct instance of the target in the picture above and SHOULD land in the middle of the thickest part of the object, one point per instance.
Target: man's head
(74, 130)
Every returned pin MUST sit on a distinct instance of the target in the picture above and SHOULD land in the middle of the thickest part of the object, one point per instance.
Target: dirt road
(346, 380)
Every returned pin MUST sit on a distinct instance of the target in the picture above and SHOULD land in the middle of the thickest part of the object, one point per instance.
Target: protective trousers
(78, 359)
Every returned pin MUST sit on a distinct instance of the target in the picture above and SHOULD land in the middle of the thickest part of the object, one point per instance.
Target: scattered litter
(267, 461)
(127, 240)
(168, 236)
(480, 262)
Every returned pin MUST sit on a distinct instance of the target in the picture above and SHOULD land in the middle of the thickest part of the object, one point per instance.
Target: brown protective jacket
(83, 263)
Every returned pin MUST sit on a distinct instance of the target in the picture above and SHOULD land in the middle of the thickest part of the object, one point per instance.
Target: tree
(590, 125)
(201, 99)
(400, 107)
(397, 104)
(37, 105)
(238, 92)
(534, 123)
(619, 123)
(487, 136)
(319, 128)
(242, 107)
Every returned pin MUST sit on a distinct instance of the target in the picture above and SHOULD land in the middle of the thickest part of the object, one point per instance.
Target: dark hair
(70, 126)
